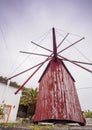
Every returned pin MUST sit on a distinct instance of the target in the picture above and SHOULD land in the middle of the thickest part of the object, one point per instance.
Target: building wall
(8, 97)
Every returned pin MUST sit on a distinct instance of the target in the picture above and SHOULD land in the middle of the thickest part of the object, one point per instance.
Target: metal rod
(41, 46)
(71, 45)
(34, 53)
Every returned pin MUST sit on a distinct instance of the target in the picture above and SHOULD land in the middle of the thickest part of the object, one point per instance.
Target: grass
(10, 124)
(27, 125)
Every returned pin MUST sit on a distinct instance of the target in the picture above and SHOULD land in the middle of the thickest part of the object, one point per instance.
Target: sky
(23, 21)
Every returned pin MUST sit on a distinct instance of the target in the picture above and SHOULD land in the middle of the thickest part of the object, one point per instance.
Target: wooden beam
(54, 45)
(38, 54)
(71, 45)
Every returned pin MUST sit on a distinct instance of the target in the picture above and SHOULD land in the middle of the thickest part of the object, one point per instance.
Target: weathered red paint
(57, 99)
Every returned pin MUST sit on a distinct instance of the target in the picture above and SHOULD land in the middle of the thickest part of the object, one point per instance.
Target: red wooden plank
(58, 99)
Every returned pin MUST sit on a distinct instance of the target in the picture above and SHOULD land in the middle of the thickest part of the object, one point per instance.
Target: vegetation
(29, 96)
(4, 81)
(29, 126)
(87, 114)
(28, 103)
(1, 110)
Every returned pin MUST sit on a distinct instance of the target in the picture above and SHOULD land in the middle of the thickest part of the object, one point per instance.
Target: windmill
(57, 99)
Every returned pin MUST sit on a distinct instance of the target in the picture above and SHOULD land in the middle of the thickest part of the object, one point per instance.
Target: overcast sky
(23, 21)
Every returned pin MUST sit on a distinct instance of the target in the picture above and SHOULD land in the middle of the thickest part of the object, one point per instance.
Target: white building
(11, 101)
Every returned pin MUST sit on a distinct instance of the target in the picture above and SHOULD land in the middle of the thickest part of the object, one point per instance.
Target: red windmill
(57, 99)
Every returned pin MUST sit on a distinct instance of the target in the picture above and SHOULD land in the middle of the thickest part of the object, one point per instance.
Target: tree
(28, 102)
(29, 96)
(4, 81)
(87, 114)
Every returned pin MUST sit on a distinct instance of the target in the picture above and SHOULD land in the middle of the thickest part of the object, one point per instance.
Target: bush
(1, 111)
(87, 114)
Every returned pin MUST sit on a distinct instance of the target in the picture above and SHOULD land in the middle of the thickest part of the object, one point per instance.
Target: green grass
(27, 125)
(10, 124)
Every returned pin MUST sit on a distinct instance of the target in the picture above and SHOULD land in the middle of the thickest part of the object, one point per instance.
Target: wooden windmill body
(57, 99)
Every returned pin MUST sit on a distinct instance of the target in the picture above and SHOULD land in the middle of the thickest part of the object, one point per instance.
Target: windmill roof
(64, 67)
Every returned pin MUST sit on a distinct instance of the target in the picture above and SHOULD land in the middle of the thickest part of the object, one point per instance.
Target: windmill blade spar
(65, 59)
(79, 62)
(34, 53)
(86, 63)
(33, 73)
(71, 45)
(25, 70)
(63, 40)
(41, 46)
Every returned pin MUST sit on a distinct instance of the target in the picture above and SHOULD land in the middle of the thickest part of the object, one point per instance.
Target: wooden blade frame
(32, 74)
(24, 71)
(41, 46)
(70, 45)
(73, 62)
(34, 53)
(49, 57)
(63, 40)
